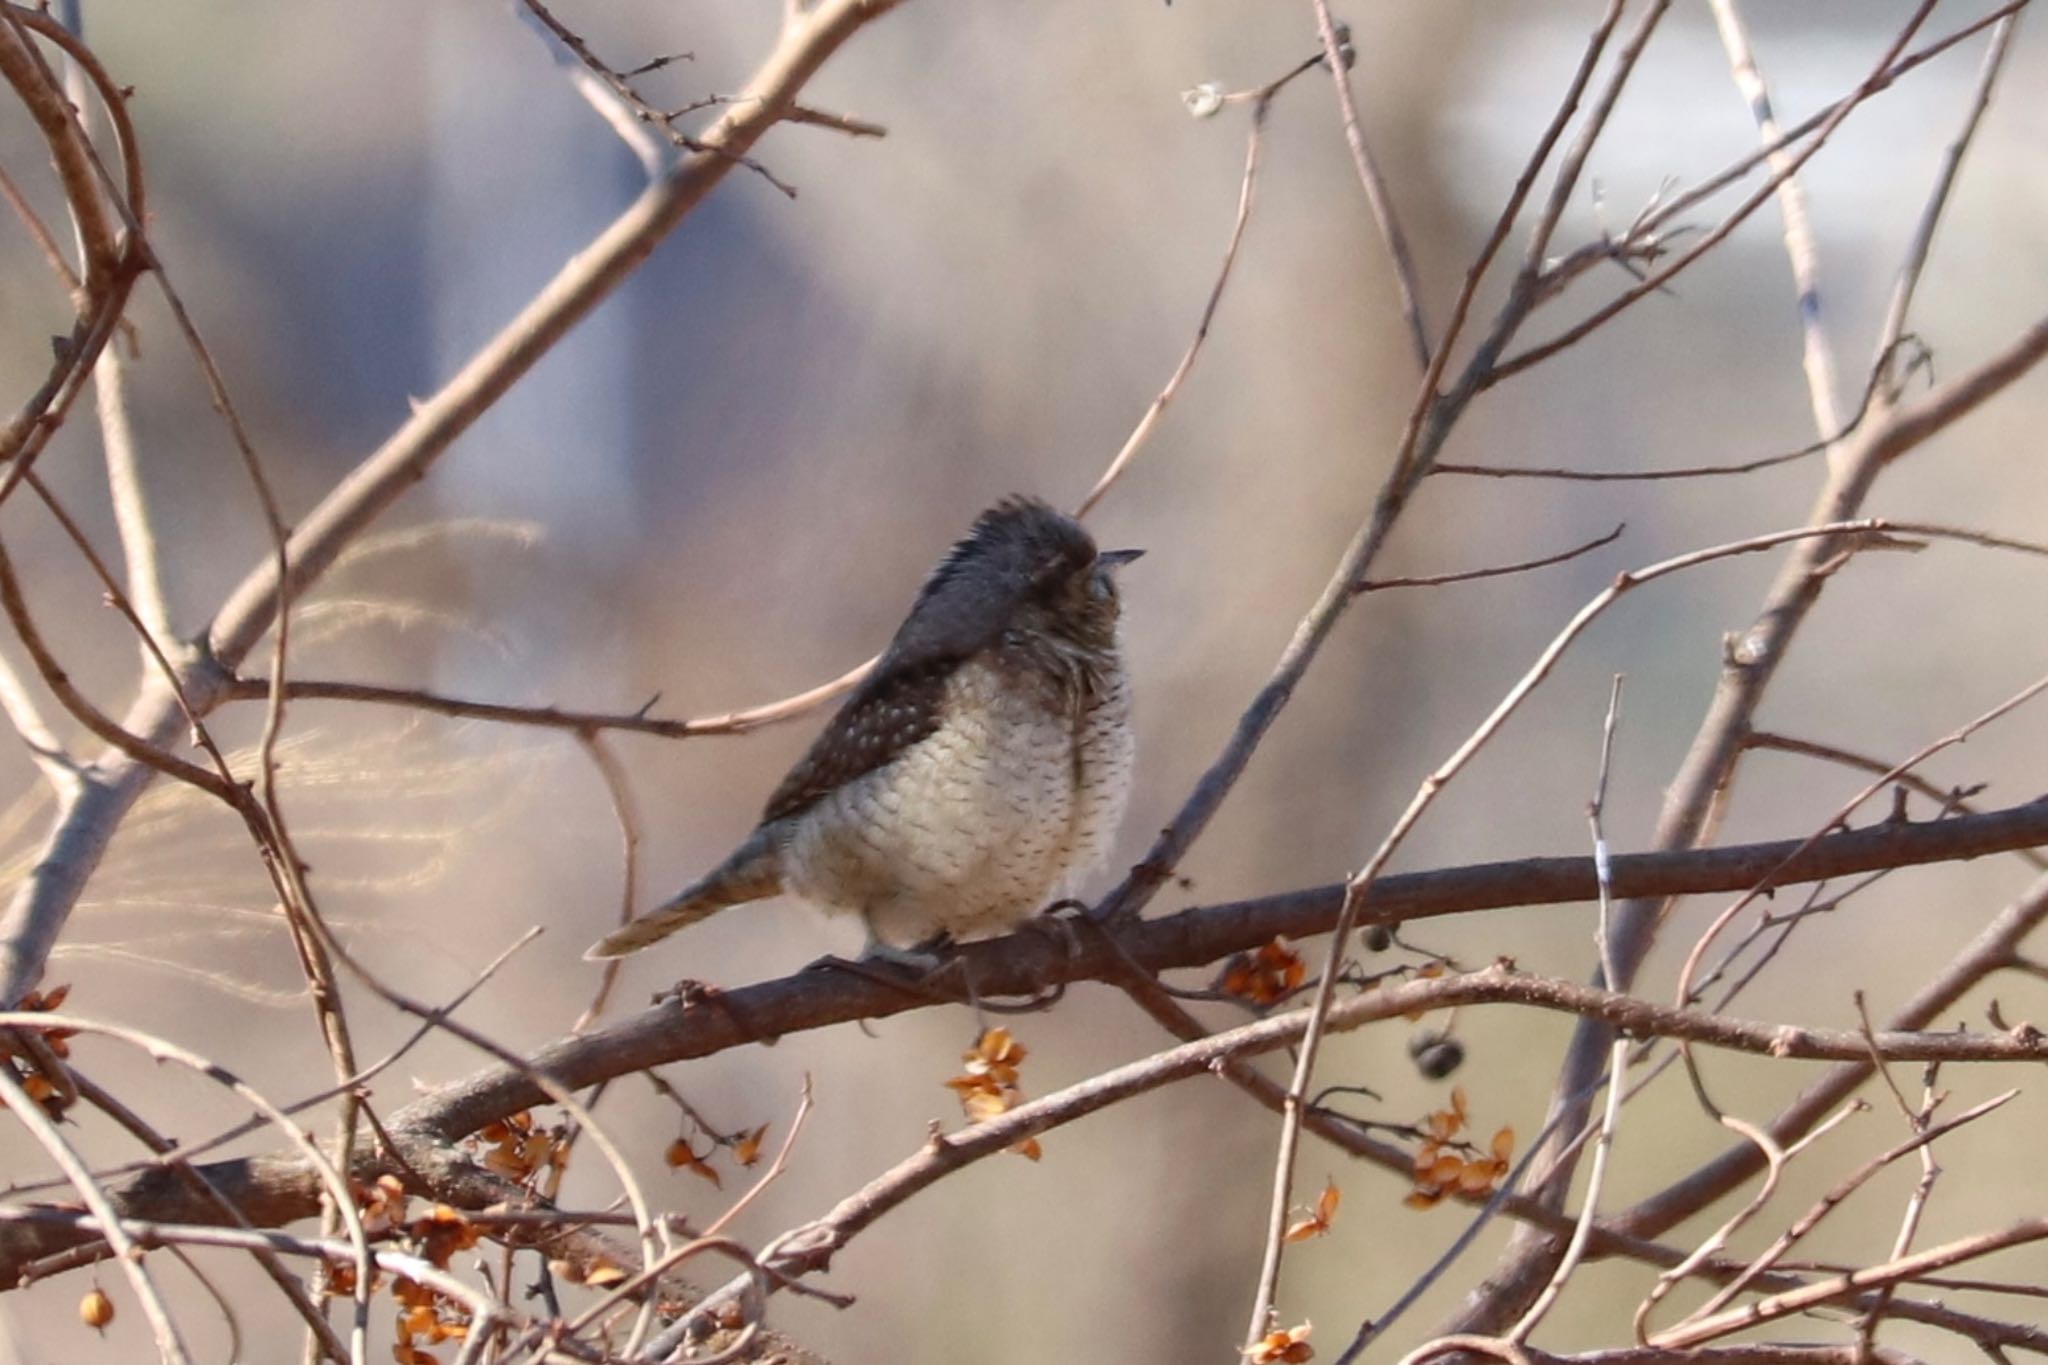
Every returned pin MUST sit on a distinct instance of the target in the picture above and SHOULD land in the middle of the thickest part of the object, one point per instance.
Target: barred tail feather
(752, 873)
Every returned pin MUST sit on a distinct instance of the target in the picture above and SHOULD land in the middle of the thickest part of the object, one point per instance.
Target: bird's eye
(1101, 586)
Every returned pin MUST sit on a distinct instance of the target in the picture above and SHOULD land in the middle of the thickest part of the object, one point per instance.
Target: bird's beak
(1116, 559)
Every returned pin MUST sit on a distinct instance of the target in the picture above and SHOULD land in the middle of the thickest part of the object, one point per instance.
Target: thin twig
(327, 1178)
(1658, 279)
(109, 1104)
(813, 1245)
(132, 521)
(619, 792)
(1836, 1194)
(1544, 562)
(31, 1116)
(1818, 357)
(1949, 800)
(1882, 380)
(660, 1345)
(1915, 258)
(622, 90)
(1338, 57)
(1917, 1121)
(1428, 424)
(1261, 102)
(1617, 1066)
(1424, 797)
(1890, 1272)
(1775, 1158)
(1689, 970)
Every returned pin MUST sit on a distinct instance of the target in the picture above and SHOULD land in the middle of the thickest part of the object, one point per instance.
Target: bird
(976, 774)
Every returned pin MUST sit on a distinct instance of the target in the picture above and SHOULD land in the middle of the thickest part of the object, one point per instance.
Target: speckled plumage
(977, 773)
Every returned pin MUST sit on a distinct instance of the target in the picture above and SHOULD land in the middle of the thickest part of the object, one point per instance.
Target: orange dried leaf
(505, 1162)
(1265, 976)
(1504, 1144)
(1318, 1222)
(682, 1156)
(983, 1105)
(747, 1150)
(441, 1234)
(1289, 1347)
(995, 1055)
(1476, 1178)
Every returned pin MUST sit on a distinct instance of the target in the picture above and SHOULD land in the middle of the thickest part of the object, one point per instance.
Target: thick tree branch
(272, 1191)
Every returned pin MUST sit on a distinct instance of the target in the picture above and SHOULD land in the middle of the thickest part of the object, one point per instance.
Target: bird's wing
(895, 708)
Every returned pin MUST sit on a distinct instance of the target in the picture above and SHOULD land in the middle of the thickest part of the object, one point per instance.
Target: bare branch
(1894, 325)
(1656, 280)
(1338, 57)
(1800, 249)
(30, 925)
(1261, 101)
(1891, 1272)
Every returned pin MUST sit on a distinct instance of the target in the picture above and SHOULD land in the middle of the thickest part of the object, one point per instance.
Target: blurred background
(726, 485)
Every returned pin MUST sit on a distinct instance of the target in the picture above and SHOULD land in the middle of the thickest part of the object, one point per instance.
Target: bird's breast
(978, 824)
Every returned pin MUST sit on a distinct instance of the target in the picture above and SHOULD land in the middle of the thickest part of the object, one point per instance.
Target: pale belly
(983, 823)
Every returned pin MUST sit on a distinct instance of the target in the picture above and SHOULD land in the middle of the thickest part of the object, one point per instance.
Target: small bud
(1204, 100)
(96, 1310)
(1344, 47)
(1436, 1055)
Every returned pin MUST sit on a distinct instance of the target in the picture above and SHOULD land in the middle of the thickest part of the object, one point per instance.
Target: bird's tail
(753, 872)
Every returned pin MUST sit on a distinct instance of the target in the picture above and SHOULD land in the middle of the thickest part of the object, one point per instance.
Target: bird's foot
(913, 970)
(1057, 922)
(926, 959)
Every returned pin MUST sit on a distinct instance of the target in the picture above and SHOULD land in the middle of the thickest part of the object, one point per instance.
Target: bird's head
(1024, 568)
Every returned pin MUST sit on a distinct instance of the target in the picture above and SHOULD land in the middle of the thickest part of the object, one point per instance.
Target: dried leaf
(1265, 976)
(1289, 1347)
(681, 1155)
(1318, 1222)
